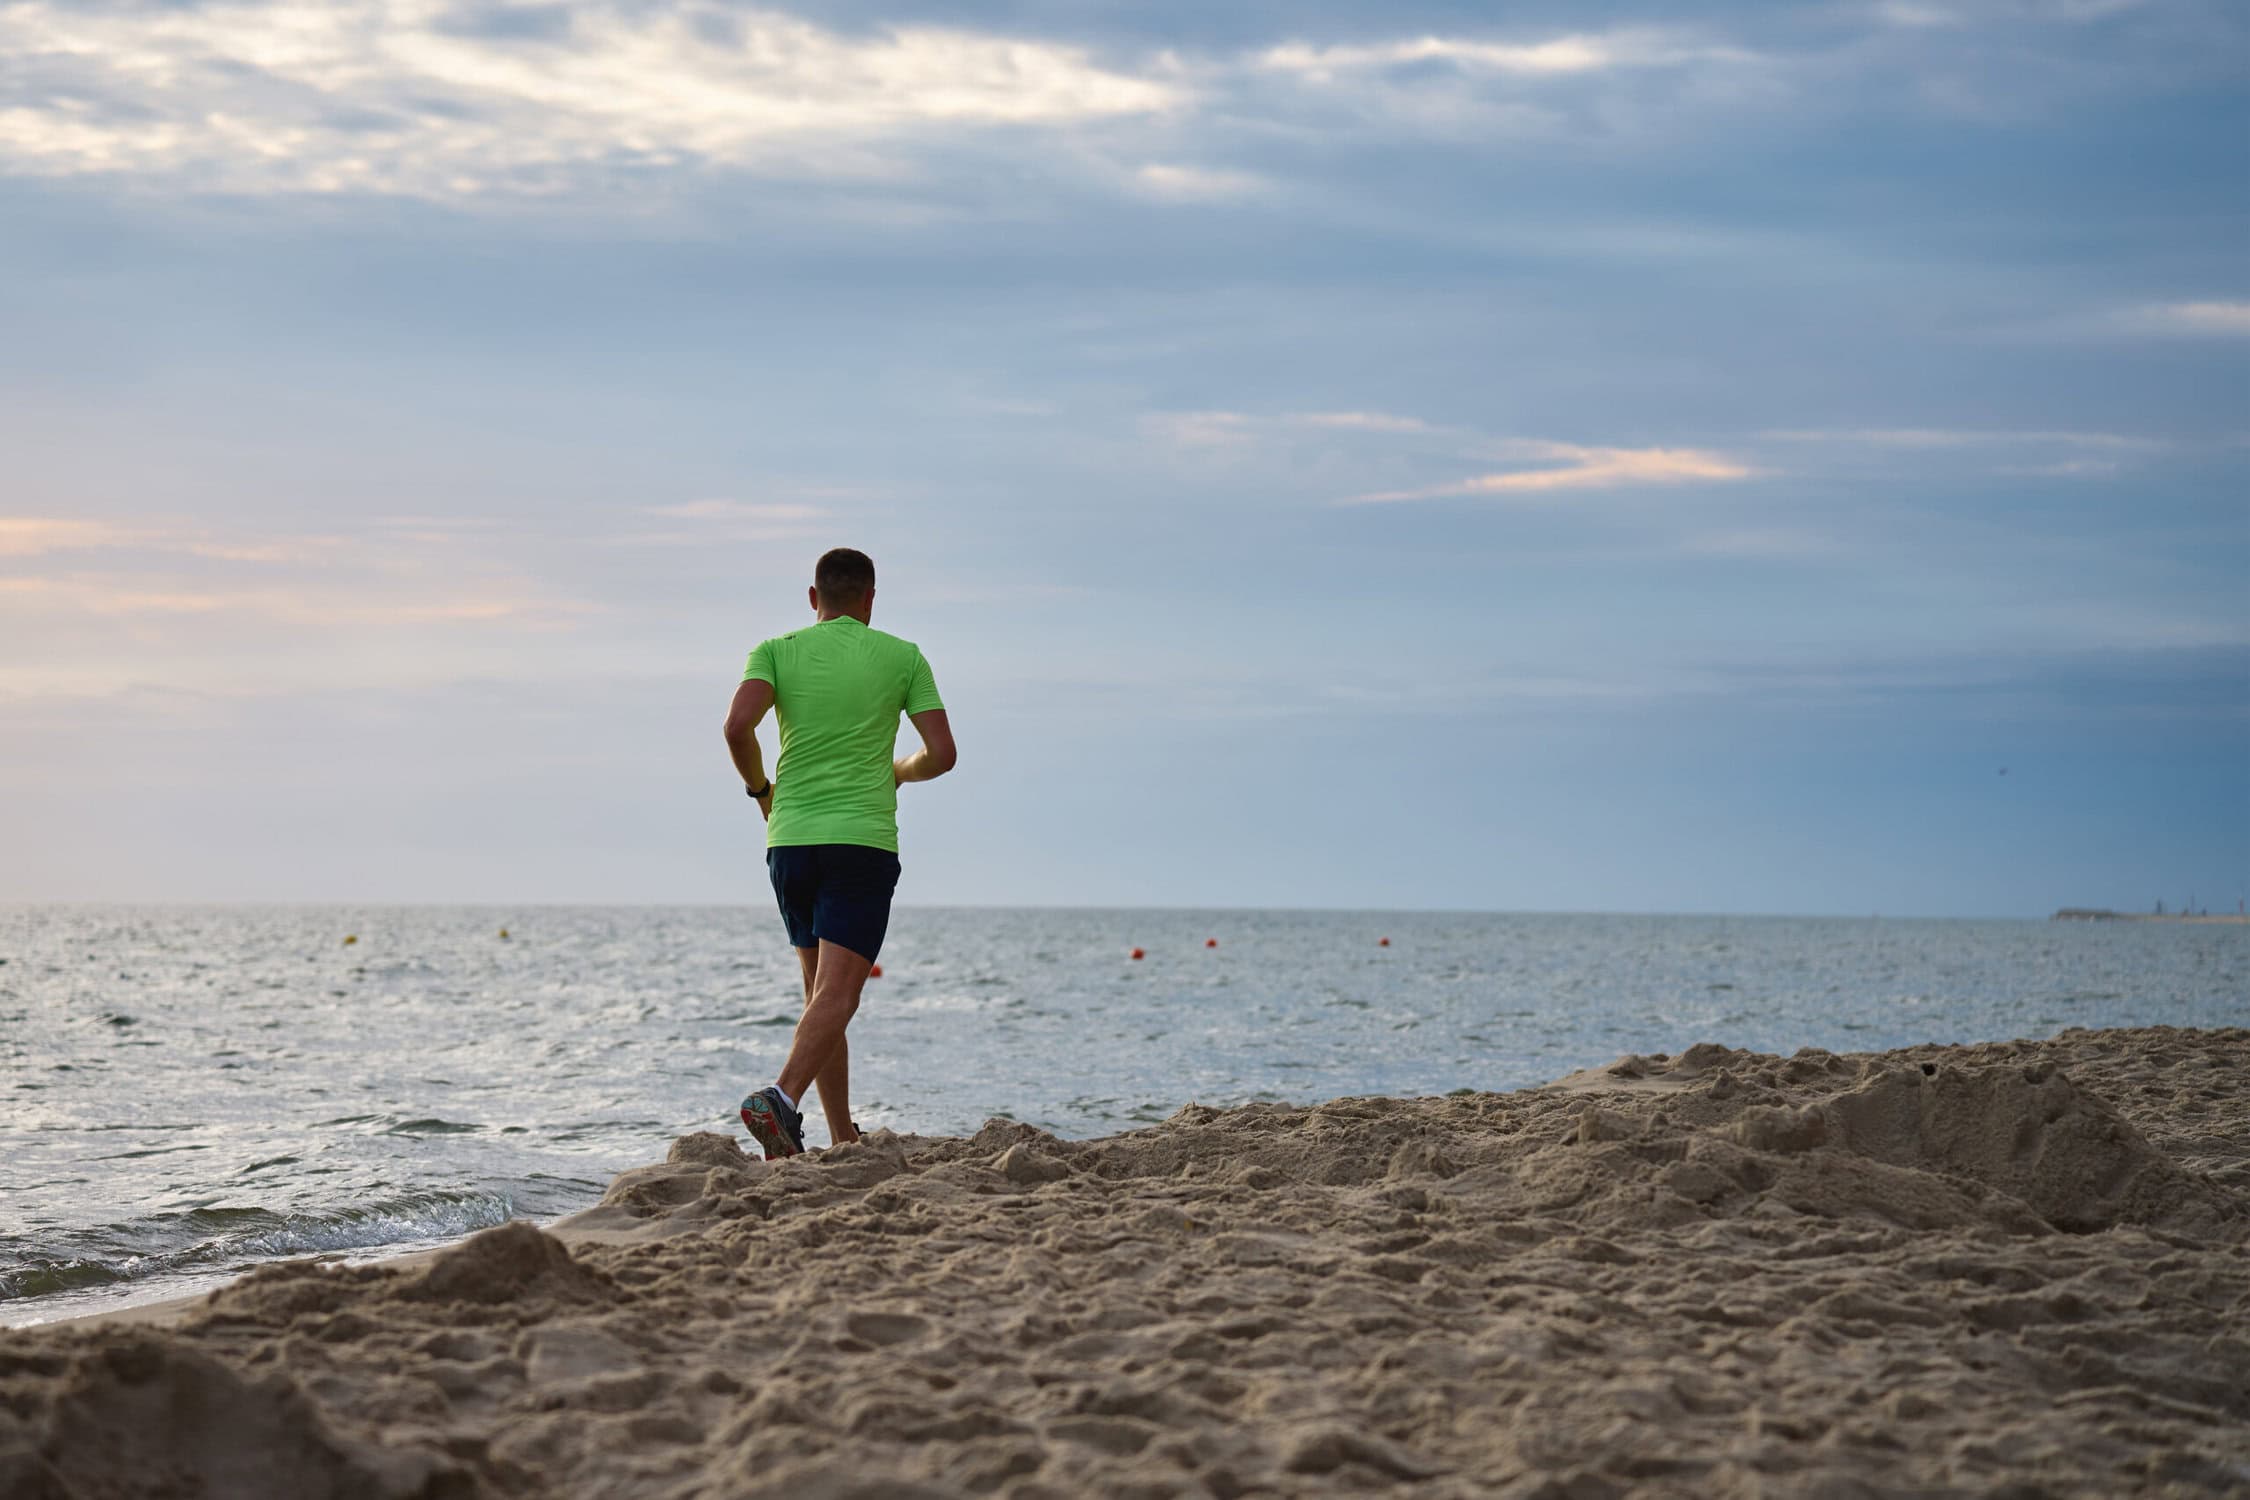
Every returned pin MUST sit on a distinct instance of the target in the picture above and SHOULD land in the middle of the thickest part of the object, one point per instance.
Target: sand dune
(2018, 1268)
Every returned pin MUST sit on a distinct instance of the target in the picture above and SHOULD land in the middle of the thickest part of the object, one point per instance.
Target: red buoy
(1382, 942)
(875, 971)
(1210, 942)
(1137, 953)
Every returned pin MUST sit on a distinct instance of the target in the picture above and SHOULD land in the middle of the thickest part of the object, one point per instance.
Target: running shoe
(773, 1124)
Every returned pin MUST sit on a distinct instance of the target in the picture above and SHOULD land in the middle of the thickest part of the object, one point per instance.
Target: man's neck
(841, 614)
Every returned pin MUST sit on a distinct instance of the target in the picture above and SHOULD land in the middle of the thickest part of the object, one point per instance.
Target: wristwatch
(763, 791)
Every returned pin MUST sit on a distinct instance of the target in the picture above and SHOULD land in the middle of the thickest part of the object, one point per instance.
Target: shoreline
(1939, 1268)
(586, 1226)
(170, 1309)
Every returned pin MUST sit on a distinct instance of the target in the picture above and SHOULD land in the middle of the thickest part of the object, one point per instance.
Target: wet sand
(2016, 1268)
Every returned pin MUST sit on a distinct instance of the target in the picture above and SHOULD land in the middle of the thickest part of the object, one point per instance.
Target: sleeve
(760, 667)
(921, 687)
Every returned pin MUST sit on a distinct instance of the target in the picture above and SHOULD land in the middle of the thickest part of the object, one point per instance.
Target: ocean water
(185, 1093)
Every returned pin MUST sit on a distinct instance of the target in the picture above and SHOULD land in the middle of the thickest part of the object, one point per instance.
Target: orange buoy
(1382, 942)
(1210, 942)
(1137, 953)
(875, 971)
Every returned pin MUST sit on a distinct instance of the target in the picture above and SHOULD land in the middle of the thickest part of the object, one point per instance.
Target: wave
(207, 1240)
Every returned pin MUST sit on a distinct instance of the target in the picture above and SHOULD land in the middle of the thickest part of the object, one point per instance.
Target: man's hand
(765, 803)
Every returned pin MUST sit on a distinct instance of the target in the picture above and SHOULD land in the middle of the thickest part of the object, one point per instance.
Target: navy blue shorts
(836, 893)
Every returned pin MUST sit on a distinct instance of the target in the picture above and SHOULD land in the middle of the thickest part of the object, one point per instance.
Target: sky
(1675, 458)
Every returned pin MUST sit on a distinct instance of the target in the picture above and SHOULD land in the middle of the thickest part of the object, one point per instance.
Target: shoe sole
(766, 1129)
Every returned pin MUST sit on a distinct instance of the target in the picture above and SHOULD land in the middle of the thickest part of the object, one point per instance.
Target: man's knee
(837, 995)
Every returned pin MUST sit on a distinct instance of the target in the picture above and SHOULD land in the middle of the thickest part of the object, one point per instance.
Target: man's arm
(751, 700)
(936, 757)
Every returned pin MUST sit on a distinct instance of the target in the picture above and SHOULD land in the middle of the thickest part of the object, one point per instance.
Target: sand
(2018, 1269)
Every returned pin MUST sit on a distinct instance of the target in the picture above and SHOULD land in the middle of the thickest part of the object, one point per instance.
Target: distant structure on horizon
(2189, 914)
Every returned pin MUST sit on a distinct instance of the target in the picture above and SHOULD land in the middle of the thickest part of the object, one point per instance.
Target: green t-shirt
(838, 689)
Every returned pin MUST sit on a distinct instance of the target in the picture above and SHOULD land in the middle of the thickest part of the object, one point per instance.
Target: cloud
(1203, 429)
(114, 594)
(133, 600)
(734, 510)
(105, 596)
(1212, 429)
(1922, 15)
(2024, 454)
(1557, 56)
(2069, 468)
(392, 96)
(1581, 468)
(35, 536)
(1758, 542)
(1918, 17)
(716, 522)
(2190, 319)
(504, 103)
(261, 552)
(1360, 421)
(1185, 184)
(1628, 83)
(2171, 675)
(1960, 437)
(1012, 406)
(1562, 466)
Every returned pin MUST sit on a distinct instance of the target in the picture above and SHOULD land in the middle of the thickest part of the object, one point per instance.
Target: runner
(838, 687)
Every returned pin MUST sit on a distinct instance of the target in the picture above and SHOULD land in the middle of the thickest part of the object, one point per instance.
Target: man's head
(844, 584)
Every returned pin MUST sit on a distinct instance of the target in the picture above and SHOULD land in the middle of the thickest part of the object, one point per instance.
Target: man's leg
(838, 976)
(834, 1080)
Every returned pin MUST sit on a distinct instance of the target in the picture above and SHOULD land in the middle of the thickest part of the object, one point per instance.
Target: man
(831, 811)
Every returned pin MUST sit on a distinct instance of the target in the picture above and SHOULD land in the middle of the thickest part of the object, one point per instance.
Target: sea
(186, 1093)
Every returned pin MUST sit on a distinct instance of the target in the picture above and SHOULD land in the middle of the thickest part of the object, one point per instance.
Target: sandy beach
(2005, 1269)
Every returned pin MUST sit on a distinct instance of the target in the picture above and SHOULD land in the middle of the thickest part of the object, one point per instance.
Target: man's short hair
(843, 577)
